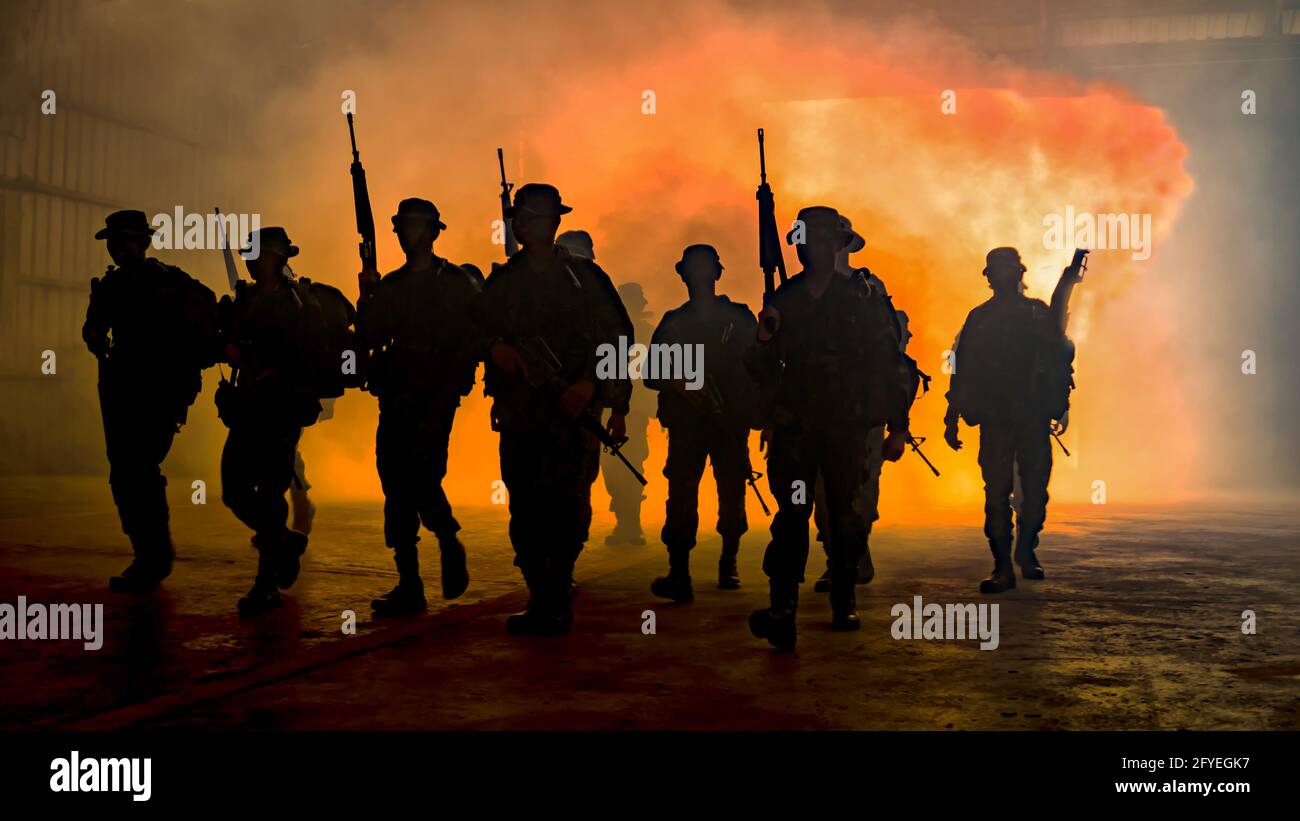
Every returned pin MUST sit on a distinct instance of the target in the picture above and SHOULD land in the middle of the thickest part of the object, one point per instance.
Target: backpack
(331, 341)
(1053, 374)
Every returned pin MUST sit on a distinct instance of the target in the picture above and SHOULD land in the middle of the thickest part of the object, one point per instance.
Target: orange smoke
(854, 120)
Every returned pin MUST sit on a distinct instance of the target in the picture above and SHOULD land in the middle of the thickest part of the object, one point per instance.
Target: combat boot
(152, 563)
(776, 623)
(844, 604)
(263, 597)
(1003, 577)
(408, 596)
(627, 532)
(677, 584)
(548, 612)
(823, 583)
(1028, 561)
(290, 548)
(728, 574)
(455, 575)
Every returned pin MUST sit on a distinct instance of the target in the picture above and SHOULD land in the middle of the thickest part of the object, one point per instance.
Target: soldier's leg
(687, 452)
(256, 471)
(625, 492)
(435, 510)
(843, 457)
(398, 468)
(138, 440)
(1034, 460)
(299, 501)
(871, 498)
(791, 473)
(729, 454)
(823, 584)
(997, 453)
(525, 473)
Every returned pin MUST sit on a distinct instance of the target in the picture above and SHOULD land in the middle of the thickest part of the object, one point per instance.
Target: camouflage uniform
(1012, 376)
(419, 322)
(548, 462)
(273, 397)
(712, 423)
(154, 329)
(836, 362)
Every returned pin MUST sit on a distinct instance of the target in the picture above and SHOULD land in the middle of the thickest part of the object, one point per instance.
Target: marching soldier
(711, 422)
(1012, 378)
(625, 492)
(830, 345)
(549, 315)
(270, 339)
(153, 329)
(417, 320)
(870, 490)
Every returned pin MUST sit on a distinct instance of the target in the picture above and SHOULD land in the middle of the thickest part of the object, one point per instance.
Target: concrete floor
(1137, 627)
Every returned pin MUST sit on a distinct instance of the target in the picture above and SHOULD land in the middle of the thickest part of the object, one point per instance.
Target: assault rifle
(512, 245)
(541, 370)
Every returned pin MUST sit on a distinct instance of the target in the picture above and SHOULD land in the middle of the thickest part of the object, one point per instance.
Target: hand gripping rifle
(542, 372)
(361, 204)
(512, 245)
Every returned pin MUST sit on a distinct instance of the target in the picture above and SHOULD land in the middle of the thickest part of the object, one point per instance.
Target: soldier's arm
(204, 324)
(662, 335)
(1059, 311)
(960, 385)
(95, 330)
(883, 342)
(374, 321)
(612, 323)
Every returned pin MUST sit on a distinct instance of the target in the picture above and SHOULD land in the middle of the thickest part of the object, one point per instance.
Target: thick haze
(851, 108)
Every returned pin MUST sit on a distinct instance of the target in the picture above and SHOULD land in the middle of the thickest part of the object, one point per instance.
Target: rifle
(770, 258)
(512, 245)
(542, 372)
(754, 476)
(232, 276)
(1062, 444)
(915, 444)
(361, 204)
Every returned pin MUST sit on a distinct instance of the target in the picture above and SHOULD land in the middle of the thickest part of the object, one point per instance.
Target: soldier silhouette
(709, 421)
(269, 339)
(870, 490)
(830, 345)
(153, 329)
(547, 312)
(625, 492)
(1012, 380)
(417, 321)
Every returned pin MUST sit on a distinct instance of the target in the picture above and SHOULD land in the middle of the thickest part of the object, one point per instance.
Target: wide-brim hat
(273, 239)
(1003, 256)
(414, 208)
(856, 241)
(699, 249)
(577, 243)
(126, 224)
(538, 198)
(819, 215)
